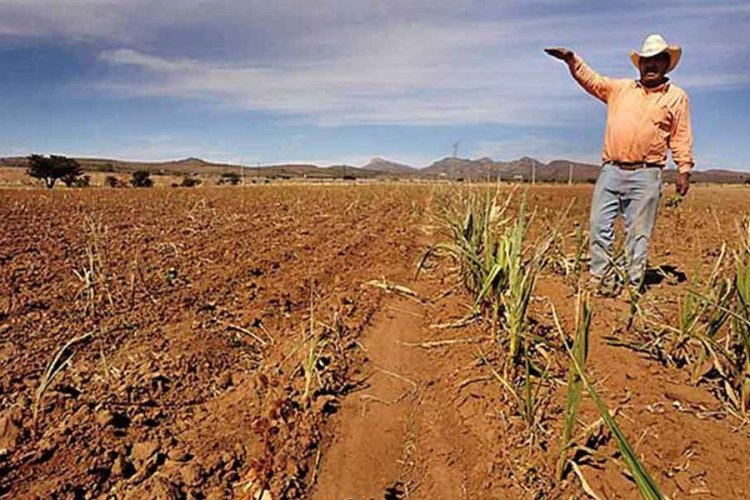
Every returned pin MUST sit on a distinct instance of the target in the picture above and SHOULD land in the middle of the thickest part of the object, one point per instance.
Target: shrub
(190, 182)
(82, 182)
(142, 179)
(53, 168)
(112, 181)
(230, 178)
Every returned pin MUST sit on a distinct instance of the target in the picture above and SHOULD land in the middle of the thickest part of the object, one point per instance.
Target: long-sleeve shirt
(642, 123)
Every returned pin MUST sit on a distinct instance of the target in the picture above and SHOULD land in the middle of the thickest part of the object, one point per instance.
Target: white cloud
(134, 58)
(383, 62)
(402, 73)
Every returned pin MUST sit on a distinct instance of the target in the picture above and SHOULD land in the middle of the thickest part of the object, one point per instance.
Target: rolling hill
(391, 167)
(449, 168)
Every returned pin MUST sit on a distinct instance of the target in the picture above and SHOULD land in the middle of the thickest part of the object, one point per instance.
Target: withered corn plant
(696, 339)
(580, 352)
(692, 339)
(570, 266)
(518, 277)
(57, 364)
(711, 335)
(93, 275)
(740, 325)
(494, 259)
(474, 224)
(577, 353)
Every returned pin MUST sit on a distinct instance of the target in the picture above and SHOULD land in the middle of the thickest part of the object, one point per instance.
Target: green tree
(190, 182)
(53, 168)
(142, 178)
(230, 178)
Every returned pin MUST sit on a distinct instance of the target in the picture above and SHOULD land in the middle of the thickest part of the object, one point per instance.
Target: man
(645, 118)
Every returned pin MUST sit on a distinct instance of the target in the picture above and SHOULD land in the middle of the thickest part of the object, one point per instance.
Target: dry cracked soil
(239, 343)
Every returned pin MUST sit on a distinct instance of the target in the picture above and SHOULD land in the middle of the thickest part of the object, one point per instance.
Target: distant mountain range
(522, 169)
(449, 168)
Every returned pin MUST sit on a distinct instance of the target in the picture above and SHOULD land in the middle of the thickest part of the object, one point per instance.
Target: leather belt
(633, 165)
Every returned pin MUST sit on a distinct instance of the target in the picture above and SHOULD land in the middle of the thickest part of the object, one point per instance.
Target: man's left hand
(682, 184)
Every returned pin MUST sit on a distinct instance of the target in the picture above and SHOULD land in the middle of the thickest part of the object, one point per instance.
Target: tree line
(53, 168)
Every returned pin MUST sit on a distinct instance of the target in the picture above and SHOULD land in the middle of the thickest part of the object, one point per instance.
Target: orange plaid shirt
(642, 124)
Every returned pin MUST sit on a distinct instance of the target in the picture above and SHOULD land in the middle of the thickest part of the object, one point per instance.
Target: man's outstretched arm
(592, 82)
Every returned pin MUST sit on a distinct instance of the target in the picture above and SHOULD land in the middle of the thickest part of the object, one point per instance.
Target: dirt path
(408, 433)
(367, 458)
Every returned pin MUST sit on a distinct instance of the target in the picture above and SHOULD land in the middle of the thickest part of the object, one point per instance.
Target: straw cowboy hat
(654, 45)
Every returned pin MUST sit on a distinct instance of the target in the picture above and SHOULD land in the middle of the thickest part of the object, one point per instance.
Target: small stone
(10, 433)
(121, 467)
(178, 455)
(192, 474)
(104, 418)
(141, 452)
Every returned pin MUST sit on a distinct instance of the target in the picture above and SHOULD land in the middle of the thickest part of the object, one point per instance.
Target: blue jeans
(634, 194)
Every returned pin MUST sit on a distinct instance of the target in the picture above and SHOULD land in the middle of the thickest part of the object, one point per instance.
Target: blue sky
(336, 81)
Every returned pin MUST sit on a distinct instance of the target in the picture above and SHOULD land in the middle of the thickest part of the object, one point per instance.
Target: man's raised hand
(560, 53)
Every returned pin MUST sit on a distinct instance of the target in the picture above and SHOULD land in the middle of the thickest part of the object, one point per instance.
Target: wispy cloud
(406, 74)
(447, 68)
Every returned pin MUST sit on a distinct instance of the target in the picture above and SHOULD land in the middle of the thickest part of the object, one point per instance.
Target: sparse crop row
(712, 334)
(497, 262)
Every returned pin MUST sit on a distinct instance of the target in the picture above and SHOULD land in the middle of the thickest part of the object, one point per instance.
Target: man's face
(654, 69)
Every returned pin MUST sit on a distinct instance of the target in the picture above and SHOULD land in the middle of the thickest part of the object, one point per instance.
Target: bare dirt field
(255, 342)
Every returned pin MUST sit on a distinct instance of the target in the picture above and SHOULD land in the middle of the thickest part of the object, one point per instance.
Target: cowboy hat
(654, 45)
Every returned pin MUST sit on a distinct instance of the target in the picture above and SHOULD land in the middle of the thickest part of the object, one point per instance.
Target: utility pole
(455, 149)
(570, 174)
(533, 173)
